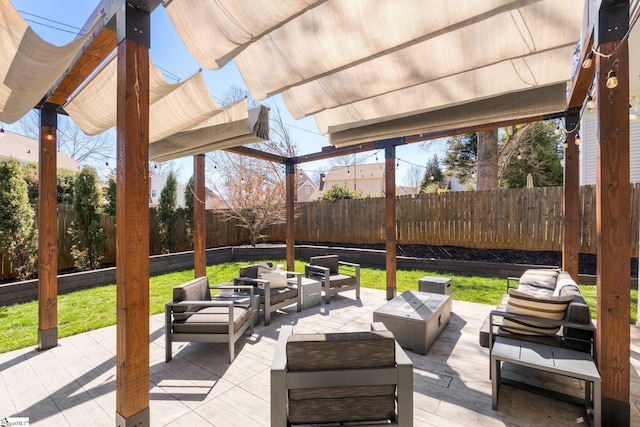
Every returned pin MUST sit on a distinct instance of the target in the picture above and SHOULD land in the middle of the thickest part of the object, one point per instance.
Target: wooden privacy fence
(522, 219)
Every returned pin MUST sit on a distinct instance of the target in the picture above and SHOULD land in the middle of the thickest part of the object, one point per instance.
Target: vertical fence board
(523, 219)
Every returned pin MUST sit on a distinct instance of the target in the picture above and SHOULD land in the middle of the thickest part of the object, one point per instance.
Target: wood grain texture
(613, 222)
(132, 231)
(199, 218)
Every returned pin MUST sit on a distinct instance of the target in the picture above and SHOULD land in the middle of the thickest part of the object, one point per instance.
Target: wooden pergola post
(132, 215)
(47, 231)
(290, 214)
(571, 198)
(391, 238)
(613, 219)
(199, 218)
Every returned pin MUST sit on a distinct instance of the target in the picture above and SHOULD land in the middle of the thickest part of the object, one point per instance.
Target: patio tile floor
(74, 383)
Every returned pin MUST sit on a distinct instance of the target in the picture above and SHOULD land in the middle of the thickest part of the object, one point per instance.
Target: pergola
(374, 78)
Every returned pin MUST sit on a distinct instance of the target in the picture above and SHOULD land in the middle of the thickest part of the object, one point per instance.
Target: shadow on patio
(75, 382)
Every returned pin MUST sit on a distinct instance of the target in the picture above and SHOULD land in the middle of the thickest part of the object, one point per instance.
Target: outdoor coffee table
(415, 318)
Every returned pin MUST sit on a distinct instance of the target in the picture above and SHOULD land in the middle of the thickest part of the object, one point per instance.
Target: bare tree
(413, 177)
(84, 149)
(253, 190)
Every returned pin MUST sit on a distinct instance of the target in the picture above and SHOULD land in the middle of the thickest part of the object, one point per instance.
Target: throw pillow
(276, 280)
(551, 307)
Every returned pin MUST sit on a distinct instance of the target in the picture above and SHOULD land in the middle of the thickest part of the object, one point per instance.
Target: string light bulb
(566, 144)
(155, 169)
(49, 135)
(1, 130)
(577, 140)
(591, 103)
(612, 79)
(588, 61)
(557, 131)
(106, 163)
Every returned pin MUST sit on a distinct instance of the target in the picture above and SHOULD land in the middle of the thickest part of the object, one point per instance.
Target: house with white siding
(589, 148)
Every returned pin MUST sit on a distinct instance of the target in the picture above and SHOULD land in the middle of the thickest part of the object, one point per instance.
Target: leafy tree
(110, 206)
(168, 214)
(460, 157)
(18, 233)
(87, 237)
(539, 153)
(341, 192)
(65, 185)
(530, 148)
(433, 178)
(188, 209)
(30, 172)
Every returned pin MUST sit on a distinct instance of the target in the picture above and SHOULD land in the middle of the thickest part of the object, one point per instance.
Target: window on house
(153, 193)
(307, 190)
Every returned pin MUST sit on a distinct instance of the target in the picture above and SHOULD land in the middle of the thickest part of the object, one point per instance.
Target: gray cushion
(329, 261)
(540, 278)
(194, 290)
(345, 409)
(278, 294)
(346, 350)
(340, 280)
(250, 271)
(213, 320)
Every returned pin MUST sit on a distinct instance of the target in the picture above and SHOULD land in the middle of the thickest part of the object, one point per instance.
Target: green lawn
(95, 308)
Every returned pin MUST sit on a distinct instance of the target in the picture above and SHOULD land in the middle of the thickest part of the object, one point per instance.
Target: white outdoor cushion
(550, 307)
(276, 279)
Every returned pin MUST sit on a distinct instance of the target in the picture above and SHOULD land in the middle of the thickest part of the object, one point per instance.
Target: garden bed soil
(586, 262)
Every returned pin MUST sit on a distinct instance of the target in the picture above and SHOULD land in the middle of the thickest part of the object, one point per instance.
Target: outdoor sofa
(525, 312)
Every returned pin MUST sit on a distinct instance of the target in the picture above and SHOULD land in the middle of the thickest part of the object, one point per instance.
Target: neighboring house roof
(26, 150)
(363, 171)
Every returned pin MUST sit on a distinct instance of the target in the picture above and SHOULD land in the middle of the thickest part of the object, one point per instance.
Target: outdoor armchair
(344, 377)
(276, 289)
(335, 275)
(194, 316)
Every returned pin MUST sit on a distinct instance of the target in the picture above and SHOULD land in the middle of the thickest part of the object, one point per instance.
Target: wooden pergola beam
(199, 218)
(252, 152)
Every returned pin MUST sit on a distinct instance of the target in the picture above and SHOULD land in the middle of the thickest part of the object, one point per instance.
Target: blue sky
(63, 17)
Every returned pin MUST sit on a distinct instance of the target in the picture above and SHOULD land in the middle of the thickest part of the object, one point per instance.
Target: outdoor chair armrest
(352, 264)
(243, 279)
(512, 279)
(564, 323)
(248, 288)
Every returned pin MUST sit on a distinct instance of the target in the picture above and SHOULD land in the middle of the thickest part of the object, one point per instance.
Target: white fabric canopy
(229, 25)
(29, 66)
(404, 57)
(172, 107)
(232, 127)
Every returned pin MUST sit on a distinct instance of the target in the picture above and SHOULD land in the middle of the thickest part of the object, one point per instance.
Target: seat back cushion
(329, 261)
(340, 350)
(551, 307)
(346, 350)
(194, 290)
(544, 278)
(250, 271)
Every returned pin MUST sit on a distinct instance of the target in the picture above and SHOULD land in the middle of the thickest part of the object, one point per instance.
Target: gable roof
(26, 150)
(363, 171)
